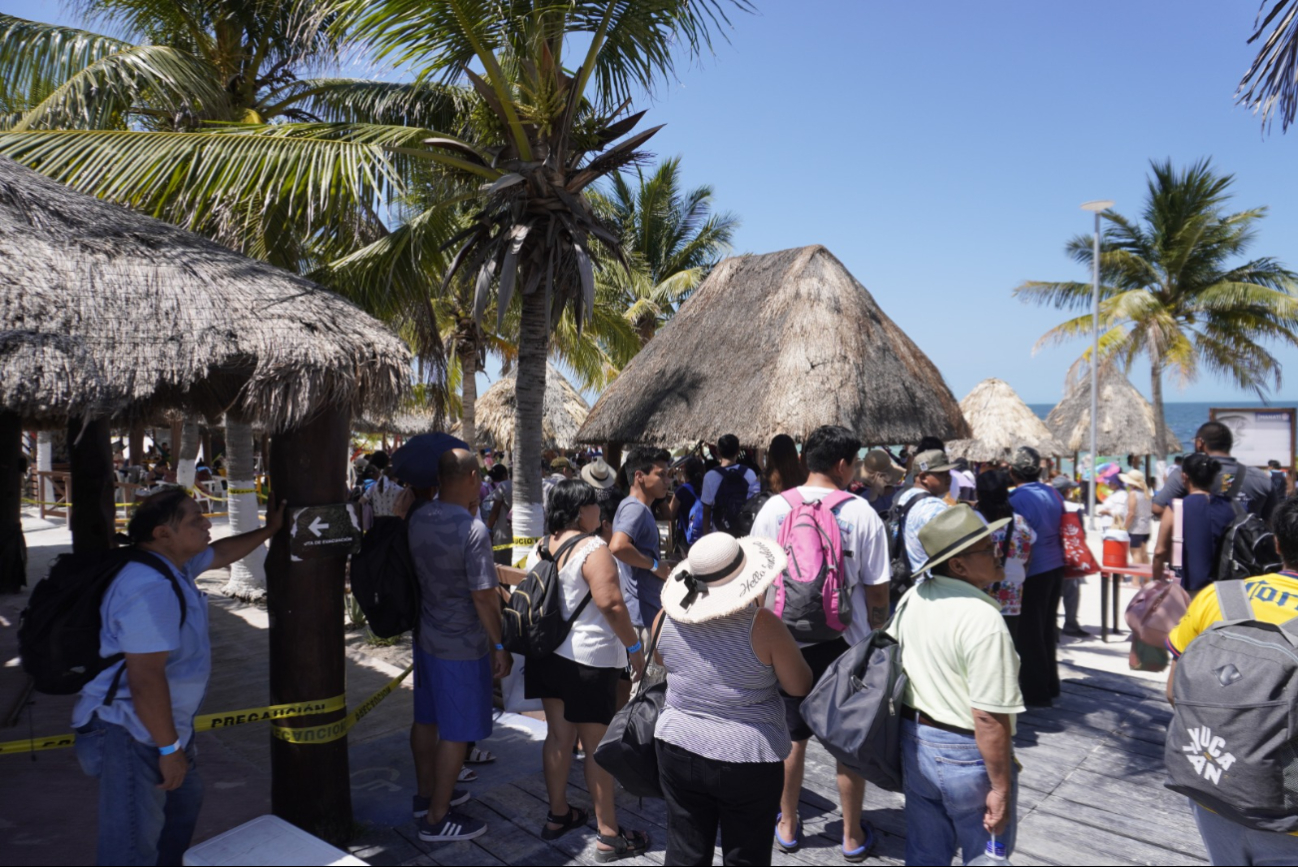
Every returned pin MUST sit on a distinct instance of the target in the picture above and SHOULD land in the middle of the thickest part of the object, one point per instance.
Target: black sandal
(625, 845)
(575, 818)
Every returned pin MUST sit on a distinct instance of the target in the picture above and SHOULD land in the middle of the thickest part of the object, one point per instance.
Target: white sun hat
(721, 576)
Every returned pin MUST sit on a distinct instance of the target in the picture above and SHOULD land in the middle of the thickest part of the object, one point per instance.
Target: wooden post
(310, 783)
(613, 455)
(13, 547)
(177, 429)
(135, 443)
(92, 505)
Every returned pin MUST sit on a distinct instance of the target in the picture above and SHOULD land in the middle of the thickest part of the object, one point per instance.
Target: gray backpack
(1231, 745)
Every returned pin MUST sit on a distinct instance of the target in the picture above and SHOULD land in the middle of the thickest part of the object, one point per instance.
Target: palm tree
(673, 239)
(1271, 82)
(543, 133)
(1173, 290)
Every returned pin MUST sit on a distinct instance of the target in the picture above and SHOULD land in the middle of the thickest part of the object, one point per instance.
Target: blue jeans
(1231, 843)
(946, 788)
(139, 824)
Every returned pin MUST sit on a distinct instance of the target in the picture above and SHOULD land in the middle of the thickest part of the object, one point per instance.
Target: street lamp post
(1096, 207)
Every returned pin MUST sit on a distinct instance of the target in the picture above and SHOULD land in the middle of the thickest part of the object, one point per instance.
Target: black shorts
(819, 657)
(589, 694)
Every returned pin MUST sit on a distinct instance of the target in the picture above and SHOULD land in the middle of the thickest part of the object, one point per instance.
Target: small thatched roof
(1126, 419)
(1001, 422)
(778, 343)
(564, 412)
(174, 320)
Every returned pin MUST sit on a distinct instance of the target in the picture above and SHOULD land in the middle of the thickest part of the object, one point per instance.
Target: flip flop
(479, 757)
(787, 846)
(858, 855)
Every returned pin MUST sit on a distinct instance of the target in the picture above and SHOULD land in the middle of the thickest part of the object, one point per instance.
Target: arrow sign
(324, 531)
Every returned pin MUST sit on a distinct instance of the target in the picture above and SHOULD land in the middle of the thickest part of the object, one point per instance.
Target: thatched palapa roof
(1001, 422)
(777, 343)
(46, 376)
(408, 421)
(564, 412)
(174, 320)
(1126, 419)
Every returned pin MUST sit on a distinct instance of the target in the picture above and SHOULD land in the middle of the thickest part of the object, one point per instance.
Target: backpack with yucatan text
(811, 595)
(1232, 745)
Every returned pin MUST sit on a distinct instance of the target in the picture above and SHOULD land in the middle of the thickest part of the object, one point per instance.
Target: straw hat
(598, 474)
(1135, 478)
(951, 532)
(721, 576)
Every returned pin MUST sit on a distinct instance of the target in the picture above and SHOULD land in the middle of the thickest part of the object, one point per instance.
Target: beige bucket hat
(721, 576)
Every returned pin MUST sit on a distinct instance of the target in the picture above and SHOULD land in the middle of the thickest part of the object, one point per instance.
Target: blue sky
(941, 150)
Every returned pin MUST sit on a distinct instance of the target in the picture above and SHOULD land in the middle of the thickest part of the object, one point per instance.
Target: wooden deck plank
(1062, 840)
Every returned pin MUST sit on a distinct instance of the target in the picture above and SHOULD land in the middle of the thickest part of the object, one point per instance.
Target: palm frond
(426, 105)
(35, 58)
(1270, 86)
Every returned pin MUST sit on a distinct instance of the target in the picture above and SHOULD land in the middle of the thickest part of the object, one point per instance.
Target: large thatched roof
(564, 412)
(46, 376)
(778, 343)
(1001, 422)
(1126, 419)
(172, 319)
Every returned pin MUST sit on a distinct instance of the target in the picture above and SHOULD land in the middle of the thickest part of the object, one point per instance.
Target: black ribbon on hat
(697, 585)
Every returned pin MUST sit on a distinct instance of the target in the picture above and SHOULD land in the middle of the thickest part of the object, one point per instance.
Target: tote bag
(1078, 559)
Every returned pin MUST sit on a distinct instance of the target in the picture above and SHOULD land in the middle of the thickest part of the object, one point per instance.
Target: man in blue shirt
(135, 720)
(1043, 508)
(635, 532)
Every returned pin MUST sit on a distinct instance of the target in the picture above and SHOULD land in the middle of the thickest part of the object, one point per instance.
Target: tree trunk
(135, 444)
(529, 396)
(13, 547)
(1160, 420)
(93, 512)
(469, 373)
(177, 432)
(310, 784)
(208, 453)
(247, 576)
(187, 455)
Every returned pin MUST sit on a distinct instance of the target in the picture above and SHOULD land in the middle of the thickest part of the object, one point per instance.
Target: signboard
(1261, 434)
(324, 531)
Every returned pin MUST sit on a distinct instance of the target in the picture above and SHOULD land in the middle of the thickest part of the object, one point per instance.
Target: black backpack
(383, 578)
(902, 569)
(534, 625)
(748, 514)
(58, 634)
(1247, 548)
(732, 494)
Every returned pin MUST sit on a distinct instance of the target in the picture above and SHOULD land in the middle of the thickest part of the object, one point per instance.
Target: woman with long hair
(1013, 543)
(784, 467)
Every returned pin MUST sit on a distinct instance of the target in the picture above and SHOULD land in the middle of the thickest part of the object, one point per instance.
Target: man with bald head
(457, 650)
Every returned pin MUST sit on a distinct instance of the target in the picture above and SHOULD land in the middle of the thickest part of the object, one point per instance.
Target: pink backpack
(811, 596)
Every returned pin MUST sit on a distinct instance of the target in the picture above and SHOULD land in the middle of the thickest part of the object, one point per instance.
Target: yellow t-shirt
(957, 653)
(1274, 598)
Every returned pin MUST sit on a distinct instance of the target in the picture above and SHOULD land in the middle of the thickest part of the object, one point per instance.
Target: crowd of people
(773, 564)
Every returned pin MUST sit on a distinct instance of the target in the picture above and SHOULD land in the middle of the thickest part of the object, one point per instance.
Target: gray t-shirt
(452, 553)
(634, 518)
(1262, 498)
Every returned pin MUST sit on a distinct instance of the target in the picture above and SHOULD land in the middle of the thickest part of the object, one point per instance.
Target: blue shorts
(454, 695)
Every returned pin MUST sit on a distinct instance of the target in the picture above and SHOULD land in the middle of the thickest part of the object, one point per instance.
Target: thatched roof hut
(174, 320)
(407, 421)
(777, 343)
(563, 414)
(46, 377)
(1126, 419)
(1001, 422)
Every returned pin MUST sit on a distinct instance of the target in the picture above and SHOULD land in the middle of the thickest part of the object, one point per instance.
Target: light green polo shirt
(956, 652)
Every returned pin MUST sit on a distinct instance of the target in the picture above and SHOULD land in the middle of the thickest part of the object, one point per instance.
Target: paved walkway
(1091, 788)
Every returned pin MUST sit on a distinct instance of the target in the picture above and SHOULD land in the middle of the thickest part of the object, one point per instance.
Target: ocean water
(1183, 419)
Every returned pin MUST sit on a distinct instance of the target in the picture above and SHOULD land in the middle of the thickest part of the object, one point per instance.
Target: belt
(918, 716)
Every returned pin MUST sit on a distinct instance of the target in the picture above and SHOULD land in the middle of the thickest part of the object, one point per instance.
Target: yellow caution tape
(334, 730)
(226, 719)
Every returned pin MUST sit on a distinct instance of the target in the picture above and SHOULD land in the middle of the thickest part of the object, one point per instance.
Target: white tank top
(592, 641)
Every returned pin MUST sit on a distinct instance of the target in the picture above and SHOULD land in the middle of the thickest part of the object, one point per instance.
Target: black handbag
(627, 750)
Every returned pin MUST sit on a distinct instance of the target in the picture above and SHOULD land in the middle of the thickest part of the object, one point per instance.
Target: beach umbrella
(1126, 419)
(777, 343)
(1001, 422)
(563, 414)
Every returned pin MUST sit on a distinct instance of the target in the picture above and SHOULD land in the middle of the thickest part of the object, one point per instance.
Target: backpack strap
(558, 555)
(834, 499)
(1232, 596)
(153, 561)
(793, 497)
(900, 541)
(1236, 491)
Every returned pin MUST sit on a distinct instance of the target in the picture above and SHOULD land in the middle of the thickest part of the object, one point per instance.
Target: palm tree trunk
(469, 373)
(187, 455)
(1160, 420)
(529, 395)
(247, 576)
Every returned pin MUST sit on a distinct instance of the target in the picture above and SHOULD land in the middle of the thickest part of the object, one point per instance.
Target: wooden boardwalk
(1091, 787)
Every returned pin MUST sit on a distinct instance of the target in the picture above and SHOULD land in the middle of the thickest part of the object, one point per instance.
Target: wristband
(655, 568)
(166, 751)
(636, 648)
(500, 647)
